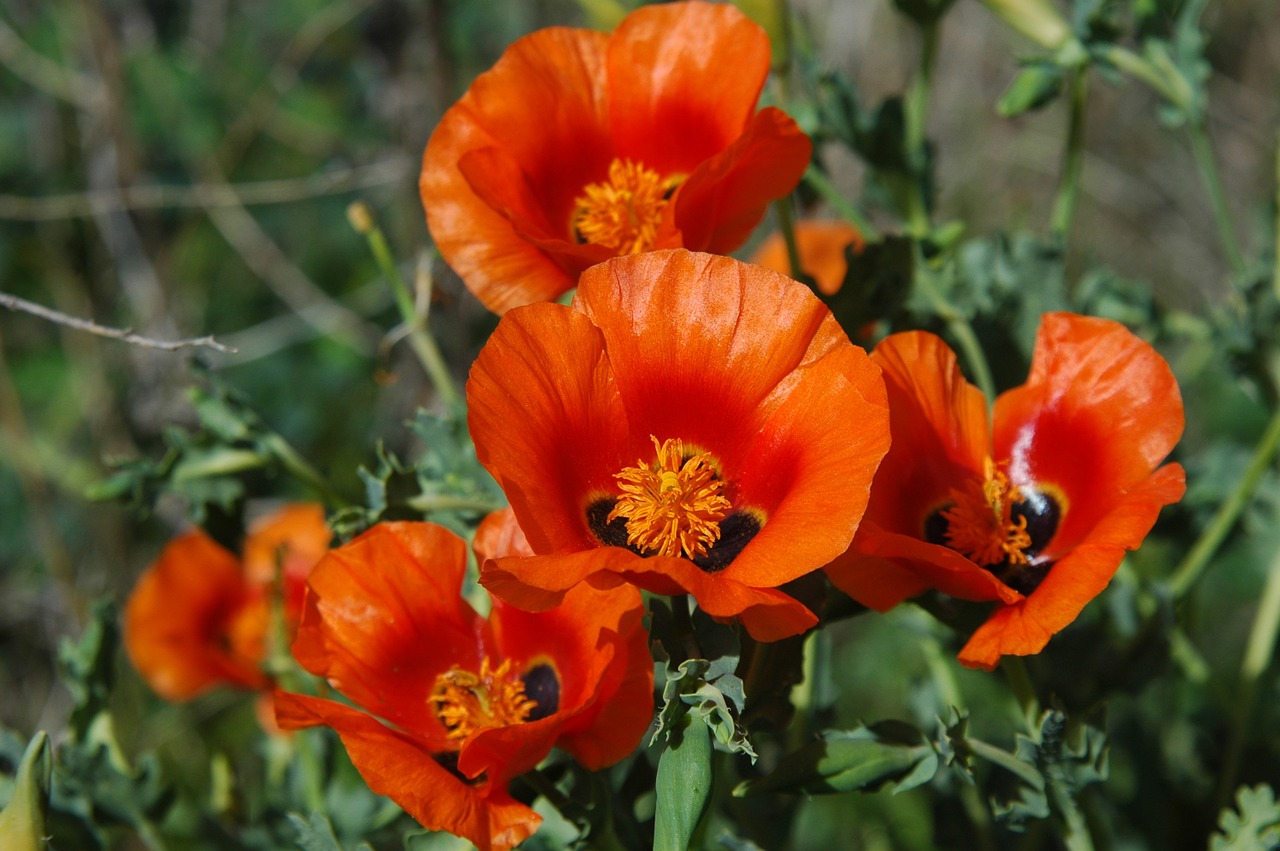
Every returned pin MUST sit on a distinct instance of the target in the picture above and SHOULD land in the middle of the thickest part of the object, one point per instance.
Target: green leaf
(1254, 825)
(22, 821)
(88, 667)
(1036, 85)
(876, 283)
(683, 785)
(316, 834)
(892, 754)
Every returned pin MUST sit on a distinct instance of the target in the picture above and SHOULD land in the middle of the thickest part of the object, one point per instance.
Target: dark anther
(542, 686)
(736, 531)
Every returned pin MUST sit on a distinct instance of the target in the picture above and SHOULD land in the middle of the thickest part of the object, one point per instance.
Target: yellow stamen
(674, 506)
(980, 523)
(466, 701)
(624, 212)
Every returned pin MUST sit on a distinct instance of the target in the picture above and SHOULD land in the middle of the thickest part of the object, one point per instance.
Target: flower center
(673, 507)
(624, 212)
(981, 524)
(466, 701)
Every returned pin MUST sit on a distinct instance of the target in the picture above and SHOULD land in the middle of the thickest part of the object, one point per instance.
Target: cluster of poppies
(687, 425)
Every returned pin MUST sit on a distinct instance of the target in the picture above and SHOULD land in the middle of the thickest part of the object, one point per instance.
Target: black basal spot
(448, 760)
(609, 534)
(542, 686)
(736, 531)
(936, 525)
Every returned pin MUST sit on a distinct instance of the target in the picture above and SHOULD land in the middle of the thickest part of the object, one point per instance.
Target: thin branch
(125, 335)
(42, 72)
(204, 195)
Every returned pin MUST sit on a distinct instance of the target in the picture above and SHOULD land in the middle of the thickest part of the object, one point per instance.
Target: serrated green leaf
(891, 754)
(1254, 824)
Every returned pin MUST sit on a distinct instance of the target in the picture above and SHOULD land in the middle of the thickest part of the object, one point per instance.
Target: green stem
(1069, 188)
(683, 622)
(1198, 557)
(420, 339)
(1275, 259)
(1208, 168)
(817, 181)
(1257, 656)
(1015, 671)
(959, 327)
(427, 503)
(787, 227)
(300, 469)
(916, 108)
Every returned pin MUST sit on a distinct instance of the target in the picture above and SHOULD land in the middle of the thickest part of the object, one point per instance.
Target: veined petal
(683, 107)
(543, 106)
(884, 568)
(939, 425)
(696, 342)
(385, 617)
(1024, 628)
(1099, 411)
(403, 768)
(725, 197)
(546, 420)
(542, 581)
(193, 622)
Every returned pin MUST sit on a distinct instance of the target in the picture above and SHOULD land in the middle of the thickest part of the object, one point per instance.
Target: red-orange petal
(1025, 627)
(1100, 409)
(540, 582)
(498, 535)
(725, 197)
(385, 616)
(545, 416)
(193, 623)
(739, 361)
(671, 102)
(403, 768)
(542, 106)
(884, 568)
(290, 541)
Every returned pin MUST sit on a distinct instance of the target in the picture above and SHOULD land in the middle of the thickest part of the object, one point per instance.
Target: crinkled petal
(403, 768)
(546, 420)
(385, 617)
(543, 106)
(1024, 628)
(726, 197)
(671, 102)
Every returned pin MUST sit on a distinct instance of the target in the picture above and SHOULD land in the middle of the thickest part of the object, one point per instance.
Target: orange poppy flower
(821, 246)
(690, 424)
(578, 146)
(466, 704)
(1035, 512)
(198, 617)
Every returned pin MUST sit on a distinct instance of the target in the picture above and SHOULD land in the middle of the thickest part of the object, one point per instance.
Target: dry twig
(125, 335)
